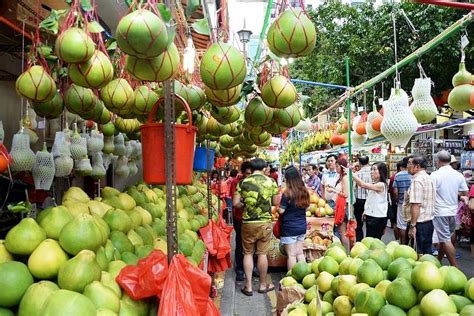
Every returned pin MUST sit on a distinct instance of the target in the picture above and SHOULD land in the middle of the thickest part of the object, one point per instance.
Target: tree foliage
(365, 34)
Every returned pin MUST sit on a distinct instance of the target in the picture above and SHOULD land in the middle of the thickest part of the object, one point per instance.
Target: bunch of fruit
(378, 279)
(316, 141)
(318, 207)
(65, 262)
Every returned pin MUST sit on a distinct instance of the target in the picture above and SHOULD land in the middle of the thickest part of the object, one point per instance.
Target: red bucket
(5, 159)
(153, 148)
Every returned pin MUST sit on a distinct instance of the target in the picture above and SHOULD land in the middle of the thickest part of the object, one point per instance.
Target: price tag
(360, 109)
(380, 100)
(41, 125)
(464, 41)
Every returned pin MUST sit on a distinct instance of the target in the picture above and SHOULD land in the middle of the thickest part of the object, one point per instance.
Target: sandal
(246, 292)
(269, 288)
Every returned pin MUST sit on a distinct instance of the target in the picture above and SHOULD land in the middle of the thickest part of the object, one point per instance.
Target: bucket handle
(180, 100)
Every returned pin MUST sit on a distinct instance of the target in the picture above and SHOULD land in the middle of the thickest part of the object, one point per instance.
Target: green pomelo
(145, 235)
(279, 92)
(46, 259)
(292, 34)
(24, 237)
(370, 272)
(415, 311)
(437, 302)
(102, 296)
(94, 73)
(355, 289)
(107, 280)
(309, 280)
(130, 307)
(79, 271)
(145, 99)
(223, 67)
(382, 287)
(121, 242)
(404, 251)
(454, 279)
(195, 97)
(468, 310)
(118, 220)
(64, 302)
(142, 33)
(346, 282)
(342, 306)
(288, 117)
(391, 310)
(329, 297)
(337, 253)
(36, 85)
(459, 97)
(223, 98)
(213, 127)
(397, 266)
(81, 233)
(35, 297)
(126, 126)
(426, 277)
(157, 69)
(74, 46)
(257, 113)
(115, 267)
(15, 279)
(324, 281)
(288, 281)
(430, 258)
(50, 109)
(469, 289)
(382, 258)
(358, 249)
(355, 265)
(118, 95)
(401, 293)
(300, 270)
(79, 100)
(102, 259)
(225, 115)
(460, 301)
(369, 301)
(6, 312)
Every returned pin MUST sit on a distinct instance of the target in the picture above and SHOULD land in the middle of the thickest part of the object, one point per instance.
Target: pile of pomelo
(378, 279)
(65, 262)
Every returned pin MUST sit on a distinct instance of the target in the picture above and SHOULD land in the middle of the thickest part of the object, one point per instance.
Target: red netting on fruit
(234, 73)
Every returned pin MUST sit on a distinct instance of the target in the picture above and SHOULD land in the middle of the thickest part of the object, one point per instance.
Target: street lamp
(244, 36)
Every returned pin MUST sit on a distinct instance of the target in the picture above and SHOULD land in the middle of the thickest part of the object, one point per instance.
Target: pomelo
(80, 100)
(50, 109)
(79, 271)
(415, 311)
(36, 84)
(382, 258)
(405, 274)
(324, 281)
(430, 258)
(369, 301)
(309, 280)
(288, 281)
(342, 306)
(53, 219)
(437, 302)
(454, 279)
(354, 290)
(46, 259)
(391, 310)
(401, 293)
(404, 251)
(426, 277)
(337, 253)
(469, 289)
(355, 265)
(35, 297)
(329, 264)
(15, 279)
(344, 265)
(74, 46)
(310, 294)
(396, 266)
(24, 237)
(329, 297)
(358, 249)
(300, 270)
(4, 254)
(346, 282)
(102, 296)
(279, 92)
(94, 73)
(64, 302)
(382, 287)
(460, 301)
(468, 310)
(370, 272)
(90, 236)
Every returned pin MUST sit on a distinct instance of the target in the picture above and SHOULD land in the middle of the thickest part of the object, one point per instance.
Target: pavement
(233, 303)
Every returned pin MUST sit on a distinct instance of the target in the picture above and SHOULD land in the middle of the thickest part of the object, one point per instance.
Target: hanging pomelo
(292, 34)
(102, 115)
(225, 115)
(126, 125)
(160, 68)
(201, 123)
(360, 128)
(74, 46)
(94, 73)
(257, 113)
(145, 98)
(213, 127)
(223, 67)
(79, 100)
(279, 92)
(90, 115)
(194, 96)
(142, 34)
(459, 97)
(117, 95)
(223, 97)
(254, 129)
(463, 76)
(36, 84)
(236, 129)
(50, 109)
(377, 123)
(227, 141)
(288, 117)
(260, 139)
(275, 129)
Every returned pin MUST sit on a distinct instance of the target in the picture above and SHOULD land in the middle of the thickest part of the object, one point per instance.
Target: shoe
(239, 276)
(435, 252)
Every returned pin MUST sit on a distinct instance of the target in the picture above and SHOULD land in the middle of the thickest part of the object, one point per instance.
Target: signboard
(424, 147)
(392, 161)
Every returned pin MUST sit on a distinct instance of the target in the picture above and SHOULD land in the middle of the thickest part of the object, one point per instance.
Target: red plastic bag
(340, 212)
(212, 308)
(128, 281)
(277, 228)
(186, 290)
(208, 238)
(351, 229)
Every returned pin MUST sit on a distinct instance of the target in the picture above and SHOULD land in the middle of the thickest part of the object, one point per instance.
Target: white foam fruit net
(21, 153)
(95, 143)
(78, 146)
(358, 140)
(132, 166)
(61, 145)
(82, 167)
(98, 169)
(423, 105)
(121, 169)
(63, 166)
(128, 149)
(399, 123)
(107, 160)
(109, 146)
(371, 133)
(119, 144)
(43, 169)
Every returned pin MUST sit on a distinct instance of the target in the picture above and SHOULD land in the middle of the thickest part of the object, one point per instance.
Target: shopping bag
(152, 273)
(351, 229)
(201, 283)
(212, 308)
(340, 212)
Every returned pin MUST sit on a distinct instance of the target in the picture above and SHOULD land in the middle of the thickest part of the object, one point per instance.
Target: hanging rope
(264, 30)
(397, 74)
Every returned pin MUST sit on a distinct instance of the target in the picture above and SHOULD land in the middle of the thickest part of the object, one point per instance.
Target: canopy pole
(263, 32)
(349, 125)
(319, 84)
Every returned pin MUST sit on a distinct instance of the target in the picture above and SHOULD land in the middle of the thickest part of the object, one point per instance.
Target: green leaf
(111, 44)
(51, 23)
(171, 34)
(86, 5)
(95, 27)
(165, 12)
(45, 50)
(191, 7)
(201, 26)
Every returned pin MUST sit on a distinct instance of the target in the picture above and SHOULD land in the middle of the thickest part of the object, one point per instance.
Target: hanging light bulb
(189, 56)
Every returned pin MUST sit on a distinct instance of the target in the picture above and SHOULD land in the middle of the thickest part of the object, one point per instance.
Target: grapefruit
(401, 293)
(404, 251)
(369, 301)
(454, 279)
(64, 302)
(426, 277)
(397, 266)
(329, 264)
(437, 302)
(370, 273)
(324, 281)
(15, 279)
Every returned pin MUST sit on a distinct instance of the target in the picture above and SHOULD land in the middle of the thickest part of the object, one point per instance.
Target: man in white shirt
(450, 184)
(329, 180)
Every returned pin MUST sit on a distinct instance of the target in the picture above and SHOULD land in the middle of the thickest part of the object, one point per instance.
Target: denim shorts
(292, 239)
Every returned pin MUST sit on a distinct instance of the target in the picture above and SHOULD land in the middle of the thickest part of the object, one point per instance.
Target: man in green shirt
(256, 194)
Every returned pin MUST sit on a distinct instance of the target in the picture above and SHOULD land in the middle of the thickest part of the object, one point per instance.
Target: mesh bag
(129, 149)
(119, 143)
(83, 167)
(399, 123)
(43, 169)
(107, 160)
(78, 146)
(135, 149)
(121, 169)
(63, 166)
(423, 105)
(61, 145)
(109, 146)
(98, 169)
(21, 153)
(132, 166)
(357, 139)
(95, 142)
(371, 133)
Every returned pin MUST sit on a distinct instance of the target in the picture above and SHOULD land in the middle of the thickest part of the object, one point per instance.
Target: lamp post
(244, 37)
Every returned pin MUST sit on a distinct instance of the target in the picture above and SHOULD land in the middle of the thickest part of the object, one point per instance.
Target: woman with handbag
(294, 202)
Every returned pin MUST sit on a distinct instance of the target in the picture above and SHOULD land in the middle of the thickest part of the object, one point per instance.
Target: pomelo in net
(74, 46)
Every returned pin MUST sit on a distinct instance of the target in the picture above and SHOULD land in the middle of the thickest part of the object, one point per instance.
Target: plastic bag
(351, 229)
(340, 210)
(212, 309)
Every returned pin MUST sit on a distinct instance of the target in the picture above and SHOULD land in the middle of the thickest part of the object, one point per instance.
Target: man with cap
(450, 185)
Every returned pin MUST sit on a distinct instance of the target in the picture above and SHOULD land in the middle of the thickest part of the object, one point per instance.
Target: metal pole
(263, 31)
(319, 84)
(348, 109)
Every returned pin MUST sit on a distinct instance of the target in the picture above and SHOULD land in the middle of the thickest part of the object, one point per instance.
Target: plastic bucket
(200, 155)
(5, 159)
(153, 148)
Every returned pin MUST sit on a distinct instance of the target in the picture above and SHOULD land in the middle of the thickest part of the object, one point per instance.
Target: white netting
(357, 140)
(63, 166)
(107, 160)
(78, 146)
(2, 132)
(82, 167)
(121, 169)
(95, 142)
(399, 123)
(371, 133)
(98, 170)
(43, 170)
(119, 143)
(423, 105)
(132, 166)
(134, 146)
(129, 149)
(109, 146)
(394, 94)
(21, 153)
(61, 145)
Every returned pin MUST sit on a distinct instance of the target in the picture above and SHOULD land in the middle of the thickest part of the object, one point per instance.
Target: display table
(318, 229)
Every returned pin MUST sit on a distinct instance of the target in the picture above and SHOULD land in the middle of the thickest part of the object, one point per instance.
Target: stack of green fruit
(65, 262)
(378, 279)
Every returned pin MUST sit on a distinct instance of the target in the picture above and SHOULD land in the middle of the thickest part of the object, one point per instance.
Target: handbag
(340, 212)
(277, 228)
